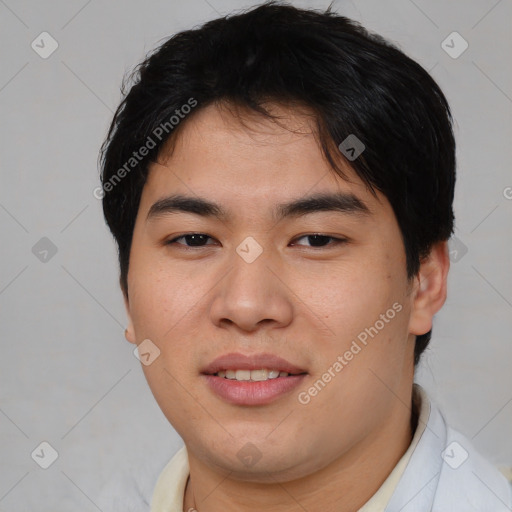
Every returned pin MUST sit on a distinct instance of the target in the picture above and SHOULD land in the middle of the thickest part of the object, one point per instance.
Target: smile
(245, 391)
(252, 375)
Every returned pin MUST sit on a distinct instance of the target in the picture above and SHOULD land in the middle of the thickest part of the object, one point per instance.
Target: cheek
(161, 297)
(350, 296)
(366, 307)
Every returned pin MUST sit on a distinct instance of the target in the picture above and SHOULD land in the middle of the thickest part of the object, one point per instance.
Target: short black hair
(355, 82)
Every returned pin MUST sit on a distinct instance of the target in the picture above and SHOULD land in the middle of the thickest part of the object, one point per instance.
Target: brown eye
(191, 240)
(318, 240)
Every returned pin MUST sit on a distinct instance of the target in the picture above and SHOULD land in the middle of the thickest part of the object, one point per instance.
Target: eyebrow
(346, 203)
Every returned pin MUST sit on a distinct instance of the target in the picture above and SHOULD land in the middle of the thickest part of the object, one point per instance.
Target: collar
(420, 412)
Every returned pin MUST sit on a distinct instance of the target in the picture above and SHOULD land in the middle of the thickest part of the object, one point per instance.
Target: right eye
(195, 239)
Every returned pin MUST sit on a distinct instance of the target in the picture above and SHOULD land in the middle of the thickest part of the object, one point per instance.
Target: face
(323, 288)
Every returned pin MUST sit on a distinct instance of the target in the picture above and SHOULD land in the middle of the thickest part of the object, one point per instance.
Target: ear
(129, 333)
(429, 290)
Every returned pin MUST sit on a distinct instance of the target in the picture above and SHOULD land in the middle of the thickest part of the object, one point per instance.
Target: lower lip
(253, 392)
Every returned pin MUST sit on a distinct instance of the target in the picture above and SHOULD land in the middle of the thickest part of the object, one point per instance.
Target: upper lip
(237, 361)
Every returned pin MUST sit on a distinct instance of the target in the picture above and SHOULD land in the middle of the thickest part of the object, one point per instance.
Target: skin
(304, 303)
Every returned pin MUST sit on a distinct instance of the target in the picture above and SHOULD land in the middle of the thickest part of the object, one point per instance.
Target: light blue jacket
(446, 474)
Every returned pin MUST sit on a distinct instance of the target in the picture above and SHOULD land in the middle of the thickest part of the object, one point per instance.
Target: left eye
(197, 239)
(321, 239)
(194, 238)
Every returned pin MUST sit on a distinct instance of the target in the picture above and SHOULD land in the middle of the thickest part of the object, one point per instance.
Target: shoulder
(129, 490)
(159, 480)
(474, 477)
(451, 473)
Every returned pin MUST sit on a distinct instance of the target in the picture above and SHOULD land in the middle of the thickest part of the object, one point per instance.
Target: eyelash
(337, 241)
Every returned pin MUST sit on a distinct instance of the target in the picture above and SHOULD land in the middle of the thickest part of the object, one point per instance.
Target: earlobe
(430, 289)
(129, 332)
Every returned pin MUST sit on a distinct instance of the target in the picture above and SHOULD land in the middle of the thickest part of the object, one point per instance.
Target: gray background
(67, 376)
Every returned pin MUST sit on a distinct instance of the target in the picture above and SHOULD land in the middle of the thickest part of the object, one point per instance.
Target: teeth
(253, 375)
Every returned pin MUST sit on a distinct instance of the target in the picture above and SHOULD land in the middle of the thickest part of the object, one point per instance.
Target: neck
(344, 485)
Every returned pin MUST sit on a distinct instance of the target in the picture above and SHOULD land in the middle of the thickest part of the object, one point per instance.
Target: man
(280, 186)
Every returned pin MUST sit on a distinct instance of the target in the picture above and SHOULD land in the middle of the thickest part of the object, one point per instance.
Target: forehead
(247, 160)
(224, 119)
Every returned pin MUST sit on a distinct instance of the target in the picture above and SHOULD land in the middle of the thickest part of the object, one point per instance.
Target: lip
(253, 392)
(238, 361)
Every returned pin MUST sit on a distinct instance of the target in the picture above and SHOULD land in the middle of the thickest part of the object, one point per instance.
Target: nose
(252, 295)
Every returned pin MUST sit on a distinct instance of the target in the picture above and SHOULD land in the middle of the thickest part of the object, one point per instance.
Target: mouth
(254, 367)
(258, 379)
(258, 375)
